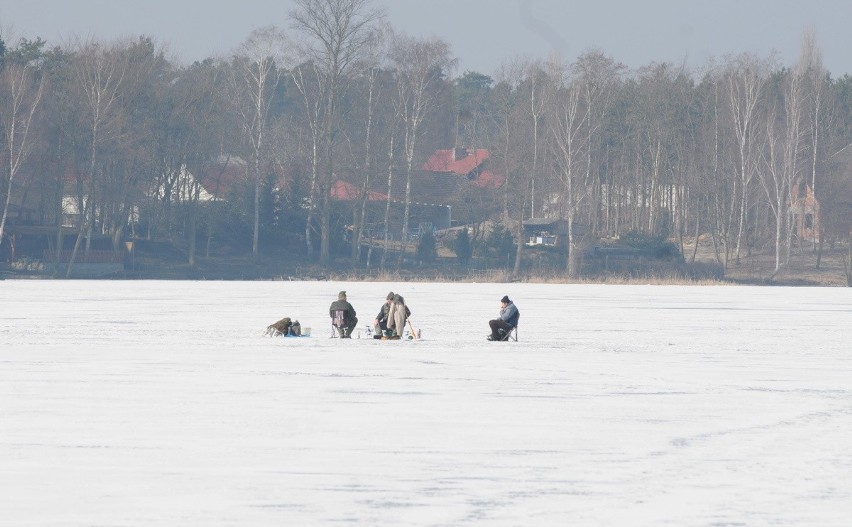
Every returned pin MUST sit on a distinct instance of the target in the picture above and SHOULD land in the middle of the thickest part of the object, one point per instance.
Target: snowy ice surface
(130, 403)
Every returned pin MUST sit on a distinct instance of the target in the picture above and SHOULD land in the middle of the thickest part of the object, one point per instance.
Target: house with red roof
(345, 191)
(421, 215)
(470, 163)
(450, 187)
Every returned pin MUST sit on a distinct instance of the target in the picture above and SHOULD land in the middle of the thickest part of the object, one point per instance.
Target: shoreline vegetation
(755, 269)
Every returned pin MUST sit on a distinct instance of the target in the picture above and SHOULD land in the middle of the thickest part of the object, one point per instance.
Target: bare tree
(98, 75)
(793, 132)
(366, 126)
(258, 69)
(194, 136)
(568, 119)
(309, 82)
(373, 92)
(420, 66)
(337, 31)
(659, 121)
(718, 151)
(129, 153)
(773, 177)
(535, 105)
(520, 101)
(789, 123)
(815, 78)
(599, 75)
(21, 92)
(391, 156)
(507, 145)
(745, 82)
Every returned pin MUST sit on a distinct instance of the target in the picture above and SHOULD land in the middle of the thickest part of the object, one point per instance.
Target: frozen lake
(128, 403)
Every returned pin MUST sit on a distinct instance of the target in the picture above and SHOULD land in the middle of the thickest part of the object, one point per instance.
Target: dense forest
(112, 130)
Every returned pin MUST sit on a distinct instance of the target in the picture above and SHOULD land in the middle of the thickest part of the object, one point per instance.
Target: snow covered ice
(136, 403)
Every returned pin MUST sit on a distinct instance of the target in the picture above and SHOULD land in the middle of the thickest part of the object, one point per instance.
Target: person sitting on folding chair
(380, 324)
(502, 327)
(397, 316)
(343, 317)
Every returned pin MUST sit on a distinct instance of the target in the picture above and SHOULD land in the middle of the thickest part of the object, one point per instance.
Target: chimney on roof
(459, 153)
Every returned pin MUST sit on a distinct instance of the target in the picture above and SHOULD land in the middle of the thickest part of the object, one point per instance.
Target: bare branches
(420, 65)
(338, 30)
(257, 70)
(23, 94)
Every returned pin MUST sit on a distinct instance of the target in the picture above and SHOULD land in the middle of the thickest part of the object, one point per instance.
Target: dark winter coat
(348, 311)
(383, 313)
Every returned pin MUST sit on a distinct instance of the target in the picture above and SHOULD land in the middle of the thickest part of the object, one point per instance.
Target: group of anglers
(390, 322)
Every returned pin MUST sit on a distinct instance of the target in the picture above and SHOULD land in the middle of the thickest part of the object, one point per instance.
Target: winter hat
(341, 295)
(390, 296)
(505, 299)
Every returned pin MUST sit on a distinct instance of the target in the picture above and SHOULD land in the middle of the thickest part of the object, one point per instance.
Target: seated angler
(501, 327)
(397, 316)
(380, 324)
(343, 316)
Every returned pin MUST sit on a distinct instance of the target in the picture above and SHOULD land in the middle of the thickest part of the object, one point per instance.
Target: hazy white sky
(483, 33)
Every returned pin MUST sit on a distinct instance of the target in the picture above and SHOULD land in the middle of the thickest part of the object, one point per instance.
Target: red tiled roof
(345, 191)
(488, 179)
(446, 161)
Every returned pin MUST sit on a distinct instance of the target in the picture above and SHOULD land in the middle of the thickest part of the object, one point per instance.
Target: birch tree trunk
(337, 31)
(420, 66)
(23, 93)
(98, 75)
(259, 61)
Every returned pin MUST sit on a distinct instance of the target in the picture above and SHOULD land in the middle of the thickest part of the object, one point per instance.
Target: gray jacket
(510, 314)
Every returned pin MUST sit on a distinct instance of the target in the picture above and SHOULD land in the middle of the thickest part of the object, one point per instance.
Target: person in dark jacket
(509, 315)
(343, 316)
(380, 324)
(397, 316)
(285, 327)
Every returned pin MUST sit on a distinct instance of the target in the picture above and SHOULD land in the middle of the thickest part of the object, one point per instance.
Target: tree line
(664, 150)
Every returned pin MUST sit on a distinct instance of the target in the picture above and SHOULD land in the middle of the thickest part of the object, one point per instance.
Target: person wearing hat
(380, 324)
(397, 316)
(509, 315)
(343, 316)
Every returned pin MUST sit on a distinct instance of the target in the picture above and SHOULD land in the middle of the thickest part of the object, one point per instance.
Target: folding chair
(512, 334)
(338, 324)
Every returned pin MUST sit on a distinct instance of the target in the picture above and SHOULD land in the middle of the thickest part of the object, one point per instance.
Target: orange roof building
(467, 162)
